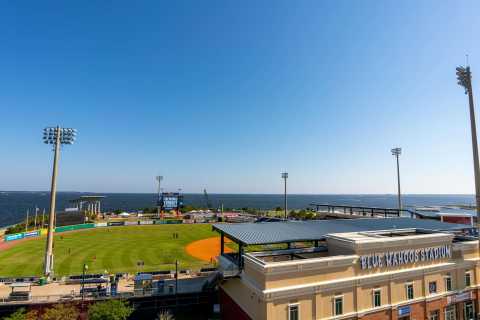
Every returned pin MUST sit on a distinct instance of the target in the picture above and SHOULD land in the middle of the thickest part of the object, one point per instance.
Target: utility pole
(397, 152)
(464, 77)
(285, 177)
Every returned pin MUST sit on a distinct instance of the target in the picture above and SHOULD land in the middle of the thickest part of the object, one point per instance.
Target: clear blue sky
(225, 95)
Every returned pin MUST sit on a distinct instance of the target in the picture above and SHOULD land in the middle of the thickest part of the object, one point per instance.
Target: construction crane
(207, 201)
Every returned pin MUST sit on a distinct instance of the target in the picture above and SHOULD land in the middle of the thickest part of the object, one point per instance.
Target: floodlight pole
(284, 177)
(178, 199)
(465, 80)
(398, 184)
(26, 223)
(396, 152)
(159, 179)
(53, 193)
(35, 221)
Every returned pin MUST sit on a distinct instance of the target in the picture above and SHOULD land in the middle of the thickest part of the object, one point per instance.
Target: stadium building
(394, 268)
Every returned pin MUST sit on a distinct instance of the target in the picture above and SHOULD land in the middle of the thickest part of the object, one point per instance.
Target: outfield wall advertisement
(18, 236)
(75, 227)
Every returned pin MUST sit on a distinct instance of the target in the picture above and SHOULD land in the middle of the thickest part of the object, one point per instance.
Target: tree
(110, 310)
(60, 312)
(20, 314)
(165, 315)
(32, 315)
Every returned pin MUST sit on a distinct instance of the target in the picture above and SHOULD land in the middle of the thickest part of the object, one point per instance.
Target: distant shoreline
(254, 194)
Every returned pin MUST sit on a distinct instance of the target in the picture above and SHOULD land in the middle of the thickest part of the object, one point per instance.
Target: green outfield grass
(115, 249)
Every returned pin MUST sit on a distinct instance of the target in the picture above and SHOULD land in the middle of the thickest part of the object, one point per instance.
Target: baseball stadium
(114, 249)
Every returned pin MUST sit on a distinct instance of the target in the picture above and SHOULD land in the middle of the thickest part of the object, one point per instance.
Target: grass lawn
(115, 249)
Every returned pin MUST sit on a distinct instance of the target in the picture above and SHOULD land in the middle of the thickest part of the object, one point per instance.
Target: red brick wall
(438, 304)
(420, 310)
(229, 309)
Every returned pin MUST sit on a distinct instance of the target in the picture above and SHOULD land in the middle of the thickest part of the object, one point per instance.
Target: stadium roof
(291, 231)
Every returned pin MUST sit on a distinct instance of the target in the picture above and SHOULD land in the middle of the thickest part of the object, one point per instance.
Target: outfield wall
(37, 233)
(21, 235)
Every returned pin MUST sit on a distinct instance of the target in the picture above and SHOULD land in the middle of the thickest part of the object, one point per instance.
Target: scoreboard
(170, 201)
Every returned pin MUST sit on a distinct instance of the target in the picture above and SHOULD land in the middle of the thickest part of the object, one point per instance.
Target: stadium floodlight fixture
(464, 78)
(55, 136)
(65, 135)
(396, 151)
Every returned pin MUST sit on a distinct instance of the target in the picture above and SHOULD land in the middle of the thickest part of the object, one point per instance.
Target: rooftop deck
(306, 240)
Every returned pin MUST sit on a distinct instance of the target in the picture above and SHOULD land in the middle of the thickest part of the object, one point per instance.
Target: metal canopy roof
(291, 231)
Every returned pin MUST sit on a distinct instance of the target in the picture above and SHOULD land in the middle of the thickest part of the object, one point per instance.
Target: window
(434, 315)
(468, 279)
(450, 313)
(448, 283)
(377, 298)
(293, 312)
(338, 305)
(469, 311)
(432, 287)
(409, 289)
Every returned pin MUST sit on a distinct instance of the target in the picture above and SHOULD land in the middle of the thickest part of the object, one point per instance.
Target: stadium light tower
(397, 152)
(285, 177)
(159, 191)
(464, 77)
(56, 136)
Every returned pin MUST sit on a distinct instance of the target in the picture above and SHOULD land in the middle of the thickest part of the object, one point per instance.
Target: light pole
(26, 223)
(85, 268)
(56, 136)
(159, 179)
(284, 177)
(35, 221)
(178, 201)
(397, 152)
(464, 77)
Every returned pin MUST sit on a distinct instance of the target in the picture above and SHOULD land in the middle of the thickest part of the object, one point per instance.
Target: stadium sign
(396, 258)
(35, 233)
(12, 237)
(170, 201)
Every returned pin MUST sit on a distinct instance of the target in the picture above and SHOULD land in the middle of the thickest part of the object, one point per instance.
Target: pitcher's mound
(206, 249)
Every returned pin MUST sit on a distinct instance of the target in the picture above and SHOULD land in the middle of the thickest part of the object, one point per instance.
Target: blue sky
(225, 95)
